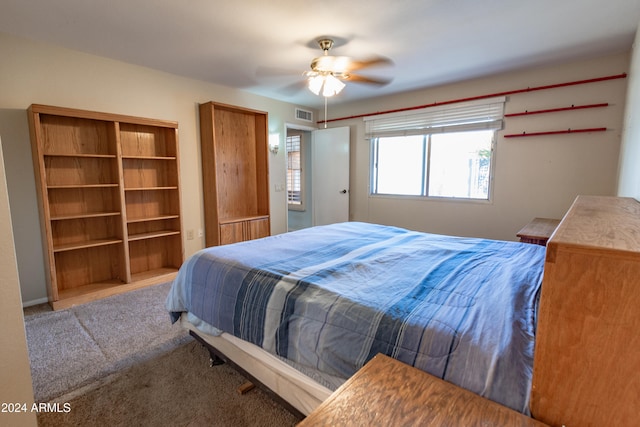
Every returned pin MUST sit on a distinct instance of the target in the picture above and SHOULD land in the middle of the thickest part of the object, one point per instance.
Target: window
(442, 165)
(443, 152)
(295, 177)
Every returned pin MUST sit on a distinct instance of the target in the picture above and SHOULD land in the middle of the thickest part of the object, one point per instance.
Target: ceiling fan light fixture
(315, 84)
(328, 84)
(332, 86)
(328, 73)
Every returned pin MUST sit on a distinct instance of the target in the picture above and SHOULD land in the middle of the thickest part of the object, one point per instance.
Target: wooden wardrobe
(235, 173)
(109, 198)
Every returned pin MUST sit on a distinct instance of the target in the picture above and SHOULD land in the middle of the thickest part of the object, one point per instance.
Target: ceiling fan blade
(377, 61)
(293, 88)
(356, 78)
(275, 72)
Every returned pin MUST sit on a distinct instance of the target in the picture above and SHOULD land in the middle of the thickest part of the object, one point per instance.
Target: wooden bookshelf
(109, 197)
(235, 171)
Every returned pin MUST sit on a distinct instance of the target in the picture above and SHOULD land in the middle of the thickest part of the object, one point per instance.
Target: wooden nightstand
(538, 231)
(386, 392)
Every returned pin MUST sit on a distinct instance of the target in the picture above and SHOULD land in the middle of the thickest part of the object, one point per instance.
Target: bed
(303, 311)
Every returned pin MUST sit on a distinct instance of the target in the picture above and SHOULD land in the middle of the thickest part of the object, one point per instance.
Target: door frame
(292, 126)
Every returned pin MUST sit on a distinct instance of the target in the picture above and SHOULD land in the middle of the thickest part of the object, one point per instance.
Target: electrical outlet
(200, 232)
(189, 234)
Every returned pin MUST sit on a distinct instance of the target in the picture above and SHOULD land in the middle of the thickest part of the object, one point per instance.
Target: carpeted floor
(177, 389)
(70, 348)
(111, 368)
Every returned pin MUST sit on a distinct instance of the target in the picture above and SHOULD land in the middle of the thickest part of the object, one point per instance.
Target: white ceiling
(264, 46)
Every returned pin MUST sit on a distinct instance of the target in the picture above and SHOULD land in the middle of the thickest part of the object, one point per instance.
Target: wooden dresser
(386, 392)
(587, 356)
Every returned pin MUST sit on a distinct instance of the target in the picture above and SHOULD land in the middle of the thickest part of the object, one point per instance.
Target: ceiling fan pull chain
(325, 112)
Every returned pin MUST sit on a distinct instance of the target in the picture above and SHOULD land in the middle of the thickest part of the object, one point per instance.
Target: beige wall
(15, 375)
(534, 176)
(629, 177)
(38, 73)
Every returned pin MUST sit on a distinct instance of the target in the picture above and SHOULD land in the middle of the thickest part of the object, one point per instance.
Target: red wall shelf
(554, 132)
(555, 110)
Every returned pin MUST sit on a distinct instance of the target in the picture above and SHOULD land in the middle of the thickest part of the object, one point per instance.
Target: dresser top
(386, 392)
(599, 222)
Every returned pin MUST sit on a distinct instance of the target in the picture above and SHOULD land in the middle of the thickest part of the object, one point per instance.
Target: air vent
(304, 115)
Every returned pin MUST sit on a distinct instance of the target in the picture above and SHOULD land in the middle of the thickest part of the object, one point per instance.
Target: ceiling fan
(328, 73)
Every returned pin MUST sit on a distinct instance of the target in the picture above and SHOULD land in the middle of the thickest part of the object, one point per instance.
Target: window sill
(431, 198)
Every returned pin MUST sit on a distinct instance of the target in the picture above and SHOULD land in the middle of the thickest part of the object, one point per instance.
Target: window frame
(426, 173)
(302, 205)
(485, 114)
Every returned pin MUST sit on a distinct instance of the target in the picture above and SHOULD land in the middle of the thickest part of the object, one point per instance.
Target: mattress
(330, 298)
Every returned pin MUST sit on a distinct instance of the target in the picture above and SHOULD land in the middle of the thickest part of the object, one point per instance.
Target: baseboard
(34, 302)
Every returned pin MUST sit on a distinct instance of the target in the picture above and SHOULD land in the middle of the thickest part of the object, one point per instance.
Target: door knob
(344, 192)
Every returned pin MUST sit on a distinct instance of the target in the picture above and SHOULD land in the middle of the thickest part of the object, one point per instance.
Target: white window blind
(485, 114)
(294, 170)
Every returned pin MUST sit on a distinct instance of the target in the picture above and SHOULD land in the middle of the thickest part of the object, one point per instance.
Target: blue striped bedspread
(332, 297)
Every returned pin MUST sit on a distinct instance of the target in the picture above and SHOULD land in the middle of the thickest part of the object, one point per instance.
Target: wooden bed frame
(299, 393)
(218, 357)
(587, 355)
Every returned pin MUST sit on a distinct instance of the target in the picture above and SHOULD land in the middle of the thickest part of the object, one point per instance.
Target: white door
(330, 172)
